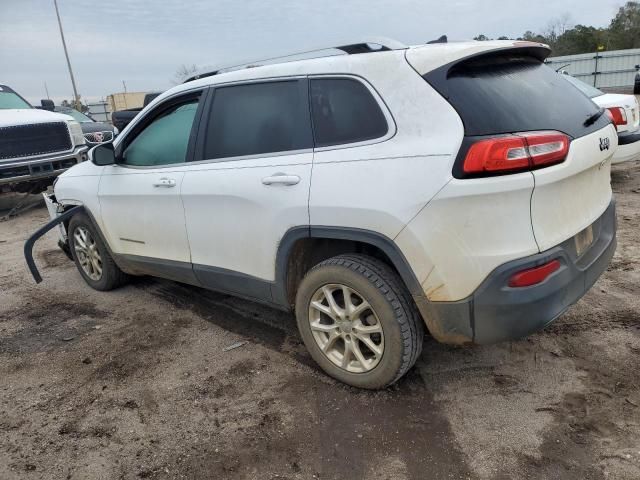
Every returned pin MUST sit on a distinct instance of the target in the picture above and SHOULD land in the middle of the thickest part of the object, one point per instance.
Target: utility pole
(66, 54)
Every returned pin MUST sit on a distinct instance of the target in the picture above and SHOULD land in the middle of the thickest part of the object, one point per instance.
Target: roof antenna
(442, 39)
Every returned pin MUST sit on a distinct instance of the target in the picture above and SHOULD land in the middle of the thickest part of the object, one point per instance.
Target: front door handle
(165, 182)
(281, 179)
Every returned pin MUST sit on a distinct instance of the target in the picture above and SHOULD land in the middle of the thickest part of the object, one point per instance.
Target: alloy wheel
(87, 253)
(346, 328)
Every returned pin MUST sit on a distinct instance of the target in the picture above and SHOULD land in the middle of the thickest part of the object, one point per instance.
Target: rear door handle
(281, 179)
(165, 182)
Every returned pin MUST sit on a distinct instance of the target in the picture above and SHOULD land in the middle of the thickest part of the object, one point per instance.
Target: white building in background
(613, 71)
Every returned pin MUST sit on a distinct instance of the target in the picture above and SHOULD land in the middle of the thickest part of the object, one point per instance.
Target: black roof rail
(377, 44)
(442, 39)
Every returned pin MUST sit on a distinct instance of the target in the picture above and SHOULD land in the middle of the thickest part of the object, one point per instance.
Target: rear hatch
(504, 93)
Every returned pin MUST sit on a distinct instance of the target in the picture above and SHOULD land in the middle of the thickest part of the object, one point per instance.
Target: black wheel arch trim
(375, 239)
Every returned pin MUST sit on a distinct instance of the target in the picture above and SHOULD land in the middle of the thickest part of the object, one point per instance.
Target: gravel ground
(136, 383)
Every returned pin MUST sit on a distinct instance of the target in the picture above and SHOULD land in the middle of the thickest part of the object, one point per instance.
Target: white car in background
(624, 112)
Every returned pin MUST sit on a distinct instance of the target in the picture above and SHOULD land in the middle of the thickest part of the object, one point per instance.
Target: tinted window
(258, 118)
(588, 90)
(80, 117)
(344, 111)
(504, 94)
(165, 139)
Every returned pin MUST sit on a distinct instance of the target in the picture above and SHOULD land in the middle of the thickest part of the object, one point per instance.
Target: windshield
(80, 117)
(588, 90)
(11, 100)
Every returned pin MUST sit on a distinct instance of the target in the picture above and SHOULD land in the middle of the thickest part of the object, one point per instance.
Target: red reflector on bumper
(535, 275)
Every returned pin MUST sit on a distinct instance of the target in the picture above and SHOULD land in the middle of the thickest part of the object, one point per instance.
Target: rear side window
(344, 111)
(258, 118)
(497, 94)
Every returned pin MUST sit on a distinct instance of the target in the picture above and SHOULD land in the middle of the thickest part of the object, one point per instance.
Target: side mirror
(103, 154)
(47, 105)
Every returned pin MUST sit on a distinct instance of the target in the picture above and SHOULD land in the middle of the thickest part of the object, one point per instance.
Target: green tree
(579, 39)
(529, 36)
(624, 30)
(622, 33)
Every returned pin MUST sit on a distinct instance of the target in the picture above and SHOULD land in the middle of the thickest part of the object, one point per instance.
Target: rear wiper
(594, 117)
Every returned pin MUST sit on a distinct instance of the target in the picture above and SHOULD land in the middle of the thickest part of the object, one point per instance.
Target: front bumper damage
(58, 217)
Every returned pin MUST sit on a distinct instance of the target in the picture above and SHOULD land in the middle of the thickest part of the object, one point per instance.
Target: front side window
(165, 140)
(344, 111)
(258, 118)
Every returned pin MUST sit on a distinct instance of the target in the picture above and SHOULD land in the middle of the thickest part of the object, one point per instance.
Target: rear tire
(358, 321)
(92, 257)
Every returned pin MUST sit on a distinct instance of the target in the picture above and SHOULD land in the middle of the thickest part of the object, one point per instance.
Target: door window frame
(199, 158)
(149, 117)
(195, 148)
(391, 124)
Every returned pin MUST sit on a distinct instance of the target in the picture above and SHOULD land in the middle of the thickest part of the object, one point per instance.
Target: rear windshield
(588, 90)
(499, 93)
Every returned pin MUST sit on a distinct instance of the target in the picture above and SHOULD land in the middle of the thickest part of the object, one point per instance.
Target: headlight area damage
(58, 219)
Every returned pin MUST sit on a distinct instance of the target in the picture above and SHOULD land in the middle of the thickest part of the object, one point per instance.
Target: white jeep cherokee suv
(465, 187)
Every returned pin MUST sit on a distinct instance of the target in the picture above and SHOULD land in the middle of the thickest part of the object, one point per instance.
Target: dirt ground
(136, 383)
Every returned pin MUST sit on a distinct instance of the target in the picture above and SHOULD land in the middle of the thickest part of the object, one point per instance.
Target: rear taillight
(516, 153)
(610, 116)
(617, 115)
(533, 276)
(547, 148)
(497, 155)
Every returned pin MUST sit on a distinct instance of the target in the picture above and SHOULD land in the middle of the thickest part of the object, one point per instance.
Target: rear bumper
(30, 169)
(628, 148)
(497, 312)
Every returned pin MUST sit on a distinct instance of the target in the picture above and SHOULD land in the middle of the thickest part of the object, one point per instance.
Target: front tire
(358, 321)
(91, 256)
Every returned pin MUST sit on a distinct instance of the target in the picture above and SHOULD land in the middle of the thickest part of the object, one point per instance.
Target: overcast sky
(144, 42)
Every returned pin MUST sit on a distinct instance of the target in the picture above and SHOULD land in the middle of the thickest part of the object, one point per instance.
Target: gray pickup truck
(35, 145)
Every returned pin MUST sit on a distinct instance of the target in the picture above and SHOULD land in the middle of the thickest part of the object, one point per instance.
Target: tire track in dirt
(375, 435)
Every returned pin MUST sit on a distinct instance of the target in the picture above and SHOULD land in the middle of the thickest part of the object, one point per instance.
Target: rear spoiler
(443, 56)
(437, 77)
